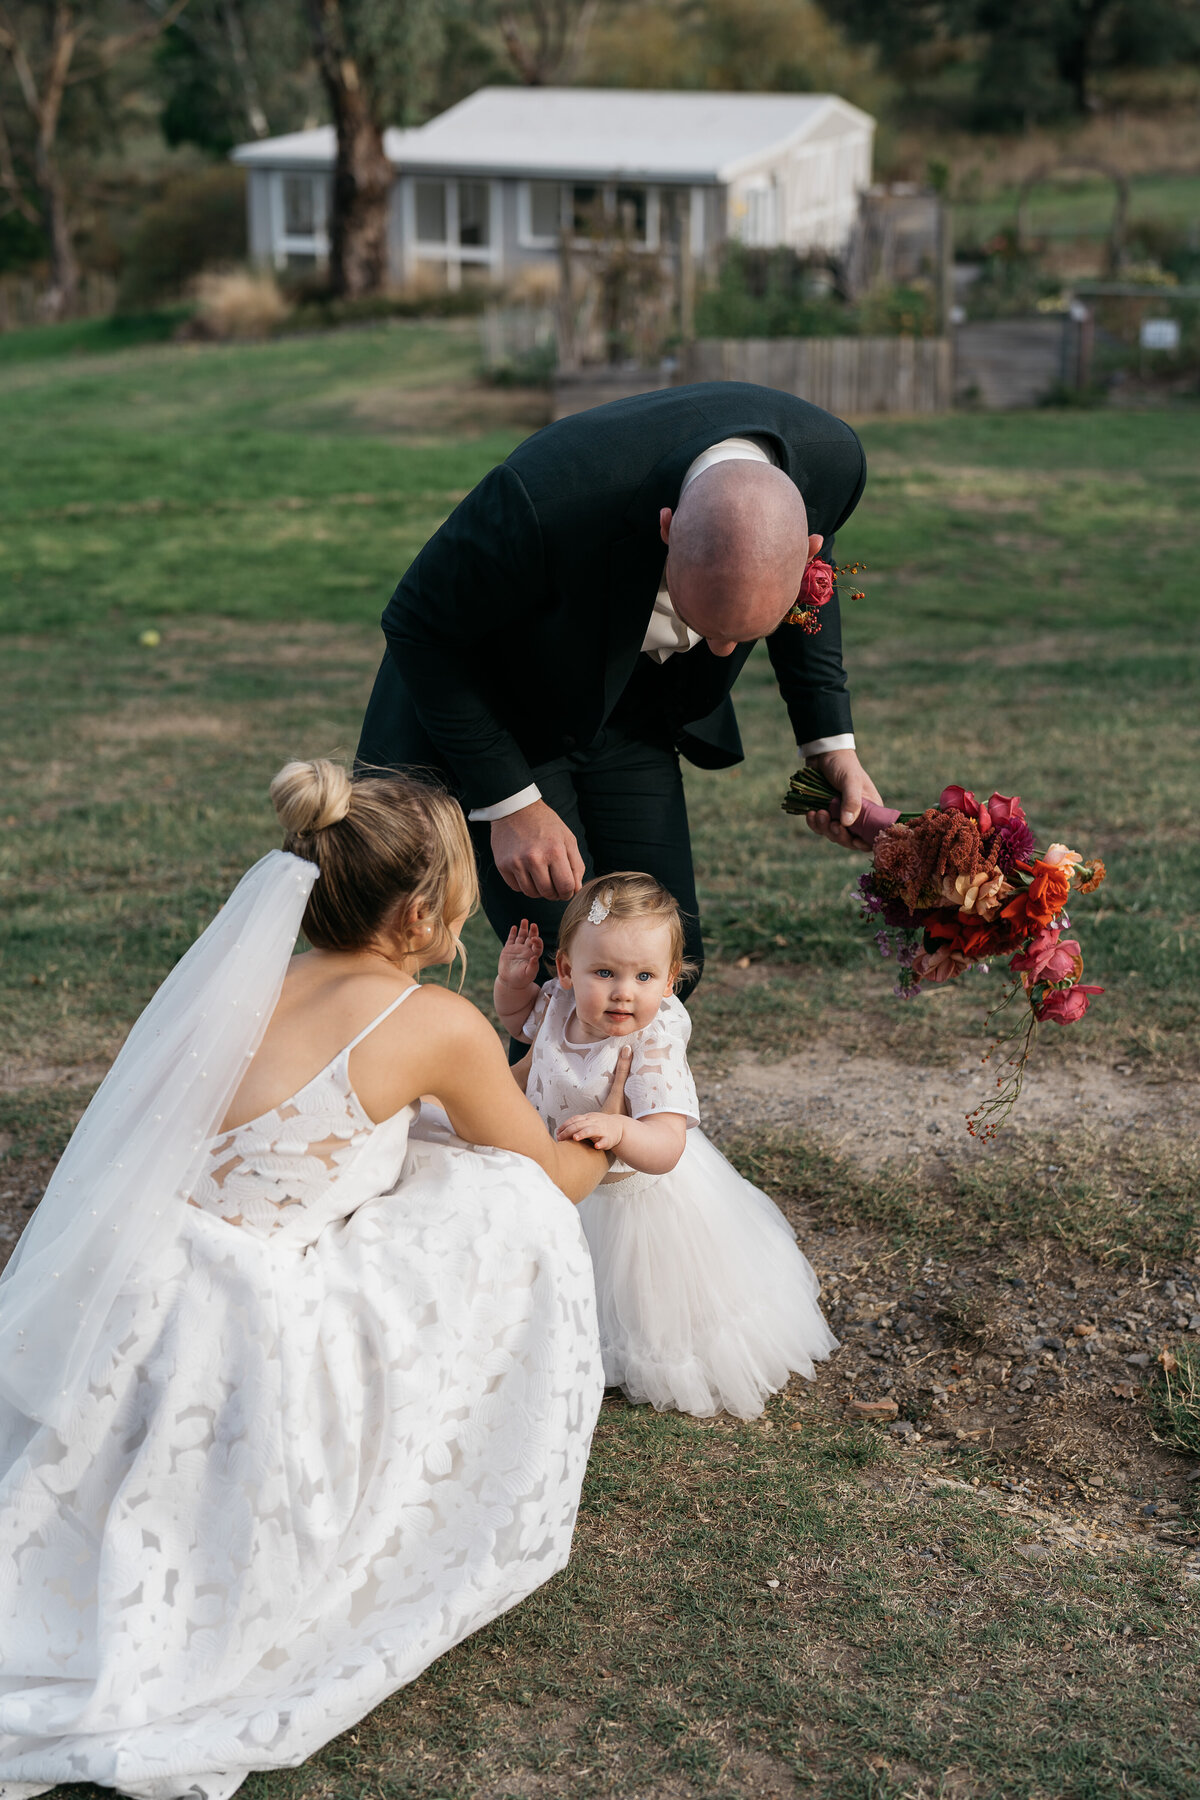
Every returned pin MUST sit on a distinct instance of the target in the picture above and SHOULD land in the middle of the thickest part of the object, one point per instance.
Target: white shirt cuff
(500, 809)
(818, 747)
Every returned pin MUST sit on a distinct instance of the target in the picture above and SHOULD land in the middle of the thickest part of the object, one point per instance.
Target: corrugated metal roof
(609, 133)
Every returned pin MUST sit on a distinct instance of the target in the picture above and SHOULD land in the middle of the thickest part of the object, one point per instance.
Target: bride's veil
(116, 1196)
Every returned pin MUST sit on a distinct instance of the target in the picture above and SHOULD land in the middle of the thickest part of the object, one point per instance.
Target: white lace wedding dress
(341, 1424)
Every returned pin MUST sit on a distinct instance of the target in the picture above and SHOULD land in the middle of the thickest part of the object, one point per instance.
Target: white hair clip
(599, 909)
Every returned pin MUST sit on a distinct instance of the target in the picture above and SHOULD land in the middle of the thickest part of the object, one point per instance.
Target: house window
(760, 217)
(299, 205)
(299, 208)
(631, 213)
(473, 215)
(431, 212)
(545, 209)
(587, 209)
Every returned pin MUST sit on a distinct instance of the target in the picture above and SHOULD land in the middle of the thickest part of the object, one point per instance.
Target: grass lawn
(794, 1606)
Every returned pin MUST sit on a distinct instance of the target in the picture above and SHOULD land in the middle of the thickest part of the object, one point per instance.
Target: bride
(297, 1380)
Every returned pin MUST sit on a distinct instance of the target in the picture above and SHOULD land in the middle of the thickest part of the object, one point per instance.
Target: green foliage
(768, 293)
(22, 244)
(198, 223)
(1031, 60)
(397, 47)
(777, 293)
(228, 70)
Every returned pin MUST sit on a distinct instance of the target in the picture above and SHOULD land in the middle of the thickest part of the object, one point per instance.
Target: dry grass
(239, 306)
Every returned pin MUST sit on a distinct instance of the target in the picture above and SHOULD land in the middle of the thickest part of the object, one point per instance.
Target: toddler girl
(705, 1302)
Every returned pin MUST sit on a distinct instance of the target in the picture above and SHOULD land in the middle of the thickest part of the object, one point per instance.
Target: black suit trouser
(622, 796)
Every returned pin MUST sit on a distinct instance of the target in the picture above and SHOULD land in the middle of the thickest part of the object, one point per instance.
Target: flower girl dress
(705, 1301)
(334, 1419)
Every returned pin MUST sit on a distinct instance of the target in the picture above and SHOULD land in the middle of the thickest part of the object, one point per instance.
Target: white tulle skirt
(705, 1302)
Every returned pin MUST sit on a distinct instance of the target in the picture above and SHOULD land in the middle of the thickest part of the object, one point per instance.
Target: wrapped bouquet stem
(959, 886)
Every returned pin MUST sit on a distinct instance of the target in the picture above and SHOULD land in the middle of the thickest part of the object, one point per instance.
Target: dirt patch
(876, 1109)
(136, 726)
(16, 1078)
(440, 412)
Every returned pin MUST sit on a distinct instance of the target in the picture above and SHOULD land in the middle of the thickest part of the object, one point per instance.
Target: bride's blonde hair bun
(311, 796)
(379, 841)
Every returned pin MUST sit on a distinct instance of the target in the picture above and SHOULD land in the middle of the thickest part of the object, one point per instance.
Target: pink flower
(945, 963)
(1048, 959)
(1058, 856)
(816, 584)
(1005, 809)
(1063, 1006)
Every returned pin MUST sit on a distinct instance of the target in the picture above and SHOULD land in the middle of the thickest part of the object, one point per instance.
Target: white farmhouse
(489, 187)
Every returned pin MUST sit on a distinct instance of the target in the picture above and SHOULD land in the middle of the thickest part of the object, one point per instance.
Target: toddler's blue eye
(646, 975)
(604, 974)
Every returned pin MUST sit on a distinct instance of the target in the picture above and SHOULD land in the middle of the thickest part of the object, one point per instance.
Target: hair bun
(310, 796)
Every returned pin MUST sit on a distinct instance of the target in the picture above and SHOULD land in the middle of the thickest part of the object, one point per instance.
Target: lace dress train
(340, 1424)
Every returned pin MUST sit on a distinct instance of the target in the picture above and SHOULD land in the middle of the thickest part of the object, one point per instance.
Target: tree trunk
(362, 185)
(362, 180)
(1075, 49)
(62, 296)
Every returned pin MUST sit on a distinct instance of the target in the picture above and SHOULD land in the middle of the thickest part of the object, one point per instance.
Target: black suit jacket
(519, 626)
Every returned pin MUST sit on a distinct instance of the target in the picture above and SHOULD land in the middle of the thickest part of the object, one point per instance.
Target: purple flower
(1014, 843)
(897, 915)
(883, 939)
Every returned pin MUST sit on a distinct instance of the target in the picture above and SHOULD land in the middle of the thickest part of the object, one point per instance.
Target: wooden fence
(851, 375)
(21, 299)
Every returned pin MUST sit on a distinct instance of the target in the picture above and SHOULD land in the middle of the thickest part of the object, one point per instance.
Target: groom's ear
(664, 524)
(814, 547)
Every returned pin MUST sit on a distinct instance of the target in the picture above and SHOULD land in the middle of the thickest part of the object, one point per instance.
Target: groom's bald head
(738, 543)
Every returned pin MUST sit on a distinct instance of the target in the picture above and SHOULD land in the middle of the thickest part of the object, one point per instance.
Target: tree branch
(111, 49)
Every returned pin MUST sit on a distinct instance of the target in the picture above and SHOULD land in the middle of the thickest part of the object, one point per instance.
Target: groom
(578, 622)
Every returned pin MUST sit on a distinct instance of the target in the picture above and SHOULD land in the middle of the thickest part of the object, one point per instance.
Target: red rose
(1063, 1006)
(816, 585)
(959, 799)
(1006, 809)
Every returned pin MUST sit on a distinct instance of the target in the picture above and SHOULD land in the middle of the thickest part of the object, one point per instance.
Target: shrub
(769, 293)
(198, 223)
(242, 304)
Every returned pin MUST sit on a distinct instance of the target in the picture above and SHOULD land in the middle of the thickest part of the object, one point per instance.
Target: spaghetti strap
(378, 1020)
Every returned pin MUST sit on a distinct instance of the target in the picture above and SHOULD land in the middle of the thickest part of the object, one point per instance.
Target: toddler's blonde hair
(378, 841)
(628, 894)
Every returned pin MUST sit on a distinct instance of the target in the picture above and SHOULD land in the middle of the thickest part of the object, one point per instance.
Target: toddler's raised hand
(601, 1129)
(521, 954)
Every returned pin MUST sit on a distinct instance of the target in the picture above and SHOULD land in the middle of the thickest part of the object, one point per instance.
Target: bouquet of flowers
(962, 885)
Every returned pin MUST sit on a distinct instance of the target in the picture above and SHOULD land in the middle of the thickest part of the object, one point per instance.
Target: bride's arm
(465, 1066)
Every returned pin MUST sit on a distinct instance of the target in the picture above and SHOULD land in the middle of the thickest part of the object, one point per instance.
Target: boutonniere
(816, 591)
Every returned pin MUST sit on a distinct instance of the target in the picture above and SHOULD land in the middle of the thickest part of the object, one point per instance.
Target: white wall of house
(462, 224)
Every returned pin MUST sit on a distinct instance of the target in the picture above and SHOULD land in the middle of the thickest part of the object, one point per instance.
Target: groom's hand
(843, 769)
(537, 854)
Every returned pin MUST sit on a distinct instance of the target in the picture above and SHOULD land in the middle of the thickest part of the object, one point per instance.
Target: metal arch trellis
(1116, 232)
